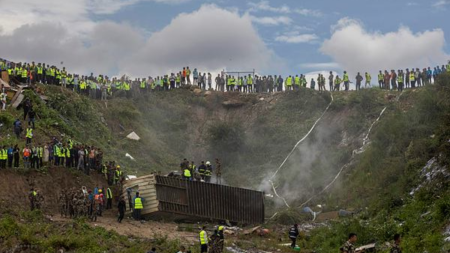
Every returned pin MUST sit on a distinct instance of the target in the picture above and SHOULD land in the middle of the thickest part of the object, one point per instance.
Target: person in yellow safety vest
(187, 174)
(448, 67)
(56, 151)
(297, 82)
(24, 75)
(346, 81)
(221, 238)
(117, 175)
(138, 206)
(3, 157)
(289, 83)
(400, 77)
(232, 83)
(240, 83)
(250, 83)
(178, 80)
(40, 72)
(58, 77)
(368, 79)
(203, 240)
(109, 198)
(337, 83)
(381, 79)
(62, 156)
(412, 79)
(68, 158)
(29, 135)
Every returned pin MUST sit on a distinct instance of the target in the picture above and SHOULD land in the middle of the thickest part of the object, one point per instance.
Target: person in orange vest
(26, 157)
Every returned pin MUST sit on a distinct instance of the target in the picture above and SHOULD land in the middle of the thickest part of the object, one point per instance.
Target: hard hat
(100, 190)
(208, 163)
(118, 166)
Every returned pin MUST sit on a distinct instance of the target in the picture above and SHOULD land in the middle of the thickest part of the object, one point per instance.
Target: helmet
(208, 163)
(118, 166)
(100, 190)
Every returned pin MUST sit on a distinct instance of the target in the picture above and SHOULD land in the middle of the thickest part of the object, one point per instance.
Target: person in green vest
(297, 82)
(187, 174)
(400, 80)
(143, 85)
(288, 83)
(58, 77)
(346, 81)
(62, 155)
(109, 198)
(240, 83)
(337, 83)
(24, 75)
(138, 205)
(250, 83)
(40, 72)
(368, 80)
(203, 240)
(29, 134)
(380, 79)
(3, 157)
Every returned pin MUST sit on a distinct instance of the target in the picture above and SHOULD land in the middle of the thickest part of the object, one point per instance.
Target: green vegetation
(36, 233)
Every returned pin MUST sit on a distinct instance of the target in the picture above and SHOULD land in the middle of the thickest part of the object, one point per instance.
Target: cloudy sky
(151, 37)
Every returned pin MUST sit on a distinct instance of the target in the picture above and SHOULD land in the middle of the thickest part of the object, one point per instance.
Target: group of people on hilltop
(102, 86)
(202, 173)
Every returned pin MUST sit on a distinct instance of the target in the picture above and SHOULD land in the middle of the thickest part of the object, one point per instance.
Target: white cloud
(322, 65)
(441, 3)
(264, 6)
(272, 21)
(296, 38)
(118, 48)
(412, 4)
(308, 12)
(356, 49)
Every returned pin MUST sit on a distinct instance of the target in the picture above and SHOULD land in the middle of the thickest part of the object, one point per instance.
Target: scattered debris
(19, 100)
(133, 136)
(366, 247)
(251, 230)
(129, 156)
(345, 213)
(232, 103)
(197, 91)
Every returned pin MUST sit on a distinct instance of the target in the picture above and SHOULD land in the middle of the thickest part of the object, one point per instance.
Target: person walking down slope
(122, 206)
(293, 234)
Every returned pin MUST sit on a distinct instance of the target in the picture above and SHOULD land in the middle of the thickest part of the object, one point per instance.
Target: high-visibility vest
(187, 173)
(448, 67)
(67, 152)
(178, 79)
(29, 133)
(412, 77)
(3, 154)
(63, 152)
(232, 81)
(58, 74)
(26, 152)
(56, 151)
(240, 82)
(203, 237)
(109, 193)
(138, 203)
(249, 80)
(40, 152)
(24, 73)
(380, 77)
(9, 71)
(337, 80)
(83, 85)
(52, 72)
(40, 70)
(297, 80)
(143, 84)
(345, 77)
(220, 228)
(400, 78)
(368, 77)
(289, 81)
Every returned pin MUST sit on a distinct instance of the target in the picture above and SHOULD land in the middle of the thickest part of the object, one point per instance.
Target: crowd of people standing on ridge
(102, 86)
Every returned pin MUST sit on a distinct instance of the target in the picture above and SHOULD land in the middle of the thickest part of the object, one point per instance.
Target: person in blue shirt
(429, 74)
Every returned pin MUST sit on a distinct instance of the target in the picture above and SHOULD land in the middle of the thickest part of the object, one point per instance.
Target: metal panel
(209, 201)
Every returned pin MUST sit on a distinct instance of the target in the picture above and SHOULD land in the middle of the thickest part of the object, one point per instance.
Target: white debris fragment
(133, 136)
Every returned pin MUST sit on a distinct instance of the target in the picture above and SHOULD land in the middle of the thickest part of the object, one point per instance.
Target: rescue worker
(109, 198)
(368, 79)
(32, 197)
(29, 134)
(208, 172)
(348, 246)
(203, 240)
(138, 206)
(359, 79)
(396, 245)
(122, 206)
(293, 234)
(187, 174)
(380, 80)
(346, 81)
(202, 170)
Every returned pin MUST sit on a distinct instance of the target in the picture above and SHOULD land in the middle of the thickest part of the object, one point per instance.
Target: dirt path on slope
(130, 227)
